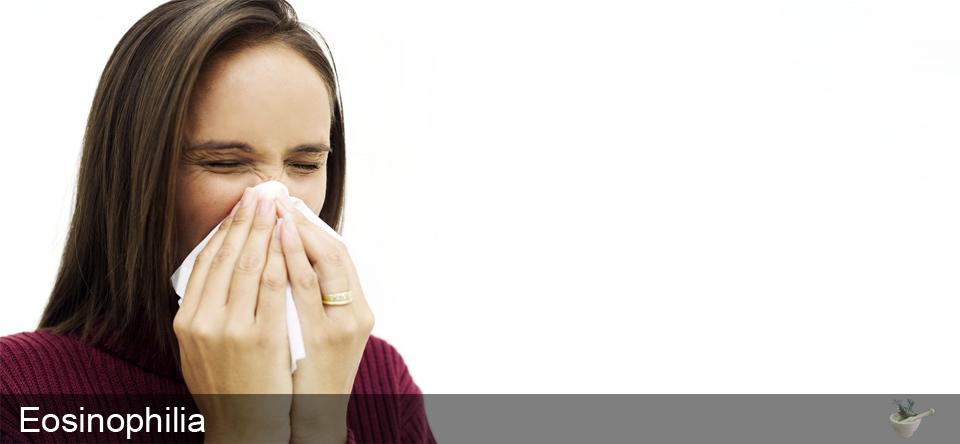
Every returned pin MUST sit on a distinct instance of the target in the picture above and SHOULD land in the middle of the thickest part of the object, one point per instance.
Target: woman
(199, 102)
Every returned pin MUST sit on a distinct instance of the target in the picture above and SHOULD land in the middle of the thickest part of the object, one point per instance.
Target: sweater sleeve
(415, 427)
(386, 404)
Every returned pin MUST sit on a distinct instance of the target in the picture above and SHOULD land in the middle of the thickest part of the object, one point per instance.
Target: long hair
(113, 285)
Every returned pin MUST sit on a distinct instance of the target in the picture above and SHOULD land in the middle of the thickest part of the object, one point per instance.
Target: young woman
(199, 102)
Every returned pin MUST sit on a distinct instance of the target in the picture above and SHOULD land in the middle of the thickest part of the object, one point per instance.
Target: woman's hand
(334, 335)
(232, 331)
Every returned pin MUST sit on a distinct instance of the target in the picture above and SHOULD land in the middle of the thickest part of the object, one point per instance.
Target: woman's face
(259, 114)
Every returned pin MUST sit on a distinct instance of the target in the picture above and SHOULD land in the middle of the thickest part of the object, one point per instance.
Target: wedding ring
(341, 298)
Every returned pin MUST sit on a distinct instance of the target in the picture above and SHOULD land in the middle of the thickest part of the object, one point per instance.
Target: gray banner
(686, 419)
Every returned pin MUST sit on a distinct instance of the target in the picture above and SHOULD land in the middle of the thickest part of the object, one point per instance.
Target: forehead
(267, 95)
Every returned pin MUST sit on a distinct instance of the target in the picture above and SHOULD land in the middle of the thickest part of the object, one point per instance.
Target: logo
(905, 421)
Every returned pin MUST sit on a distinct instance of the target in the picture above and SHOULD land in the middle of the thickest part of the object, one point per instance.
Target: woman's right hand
(232, 332)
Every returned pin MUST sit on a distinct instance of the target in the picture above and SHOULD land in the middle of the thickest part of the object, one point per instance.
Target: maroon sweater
(385, 404)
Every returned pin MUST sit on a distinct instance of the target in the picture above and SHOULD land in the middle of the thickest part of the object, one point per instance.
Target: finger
(273, 285)
(330, 260)
(359, 303)
(285, 204)
(201, 267)
(222, 264)
(329, 263)
(303, 280)
(245, 281)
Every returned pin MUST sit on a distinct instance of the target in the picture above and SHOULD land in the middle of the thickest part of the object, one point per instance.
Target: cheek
(311, 192)
(201, 205)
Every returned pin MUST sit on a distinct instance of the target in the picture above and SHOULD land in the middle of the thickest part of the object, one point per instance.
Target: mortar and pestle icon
(905, 421)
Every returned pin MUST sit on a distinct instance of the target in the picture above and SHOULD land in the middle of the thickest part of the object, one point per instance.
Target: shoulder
(42, 362)
(380, 347)
(383, 370)
(27, 358)
(33, 342)
(31, 350)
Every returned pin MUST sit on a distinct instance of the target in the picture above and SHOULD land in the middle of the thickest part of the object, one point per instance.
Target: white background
(668, 197)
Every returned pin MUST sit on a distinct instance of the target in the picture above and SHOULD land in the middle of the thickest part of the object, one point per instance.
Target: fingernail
(234, 210)
(247, 197)
(266, 207)
(286, 204)
(276, 229)
(290, 227)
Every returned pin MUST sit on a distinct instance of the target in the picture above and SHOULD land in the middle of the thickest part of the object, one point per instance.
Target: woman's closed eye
(224, 164)
(308, 166)
(230, 165)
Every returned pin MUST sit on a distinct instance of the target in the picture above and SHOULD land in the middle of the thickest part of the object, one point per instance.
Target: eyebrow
(215, 145)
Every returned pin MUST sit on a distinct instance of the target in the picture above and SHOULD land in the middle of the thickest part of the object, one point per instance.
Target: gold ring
(341, 298)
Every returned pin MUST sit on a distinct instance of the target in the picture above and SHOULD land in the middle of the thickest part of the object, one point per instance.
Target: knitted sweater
(41, 363)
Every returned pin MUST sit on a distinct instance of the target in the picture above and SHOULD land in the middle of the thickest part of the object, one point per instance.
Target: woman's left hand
(334, 335)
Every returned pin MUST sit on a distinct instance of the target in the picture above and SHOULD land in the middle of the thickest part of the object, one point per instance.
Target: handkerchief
(270, 188)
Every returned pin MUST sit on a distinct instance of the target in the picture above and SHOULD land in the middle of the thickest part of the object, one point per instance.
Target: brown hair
(115, 270)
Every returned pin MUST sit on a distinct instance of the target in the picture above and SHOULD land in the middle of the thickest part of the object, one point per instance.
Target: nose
(264, 176)
(267, 173)
(271, 185)
(272, 190)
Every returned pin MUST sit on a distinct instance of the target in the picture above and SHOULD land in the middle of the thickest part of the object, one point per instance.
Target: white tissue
(268, 189)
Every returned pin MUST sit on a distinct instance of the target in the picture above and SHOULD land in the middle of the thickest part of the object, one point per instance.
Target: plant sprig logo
(906, 420)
